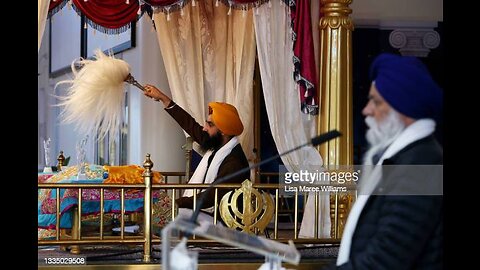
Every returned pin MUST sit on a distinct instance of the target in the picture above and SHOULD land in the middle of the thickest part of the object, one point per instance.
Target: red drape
(304, 56)
(108, 16)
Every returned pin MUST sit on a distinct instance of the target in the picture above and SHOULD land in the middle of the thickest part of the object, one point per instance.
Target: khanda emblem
(256, 213)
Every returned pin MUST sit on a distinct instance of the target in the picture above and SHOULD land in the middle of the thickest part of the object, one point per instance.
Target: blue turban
(405, 83)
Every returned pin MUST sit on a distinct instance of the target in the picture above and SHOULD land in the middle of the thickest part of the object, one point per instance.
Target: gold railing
(180, 176)
(173, 190)
(340, 205)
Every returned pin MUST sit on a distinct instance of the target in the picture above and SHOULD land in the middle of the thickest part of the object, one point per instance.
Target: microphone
(322, 138)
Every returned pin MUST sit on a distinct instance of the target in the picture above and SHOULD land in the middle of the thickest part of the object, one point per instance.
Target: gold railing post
(335, 84)
(147, 175)
(76, 228)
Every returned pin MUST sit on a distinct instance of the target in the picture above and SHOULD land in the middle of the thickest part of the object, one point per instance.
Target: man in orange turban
(218, 137)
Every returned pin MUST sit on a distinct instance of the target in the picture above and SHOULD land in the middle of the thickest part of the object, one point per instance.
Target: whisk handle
(131, 80)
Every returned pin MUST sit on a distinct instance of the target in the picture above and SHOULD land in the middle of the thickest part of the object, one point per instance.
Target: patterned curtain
(209, 54)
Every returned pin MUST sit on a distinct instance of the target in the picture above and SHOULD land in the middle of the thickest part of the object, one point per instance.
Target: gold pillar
(335, 84)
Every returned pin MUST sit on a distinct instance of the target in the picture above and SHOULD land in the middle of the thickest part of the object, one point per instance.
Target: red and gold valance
(106, 15)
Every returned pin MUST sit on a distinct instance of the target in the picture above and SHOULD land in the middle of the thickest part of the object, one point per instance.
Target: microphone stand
(314, 141)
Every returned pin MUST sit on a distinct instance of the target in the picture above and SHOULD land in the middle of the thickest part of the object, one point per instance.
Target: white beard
(380, 135)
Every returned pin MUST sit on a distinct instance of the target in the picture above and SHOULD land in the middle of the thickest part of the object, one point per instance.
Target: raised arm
(185, 120)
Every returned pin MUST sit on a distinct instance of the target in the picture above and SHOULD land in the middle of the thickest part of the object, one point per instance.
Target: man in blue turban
(385, 230)
(402, 92)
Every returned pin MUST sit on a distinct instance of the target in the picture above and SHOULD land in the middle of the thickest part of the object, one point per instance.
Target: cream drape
(42, 19)
(289, 126)
(210, 56)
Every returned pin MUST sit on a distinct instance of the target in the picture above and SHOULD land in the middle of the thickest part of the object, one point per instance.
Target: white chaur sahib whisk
(95, 98)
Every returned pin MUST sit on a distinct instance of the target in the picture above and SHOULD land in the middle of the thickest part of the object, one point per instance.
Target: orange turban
(226, 118)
